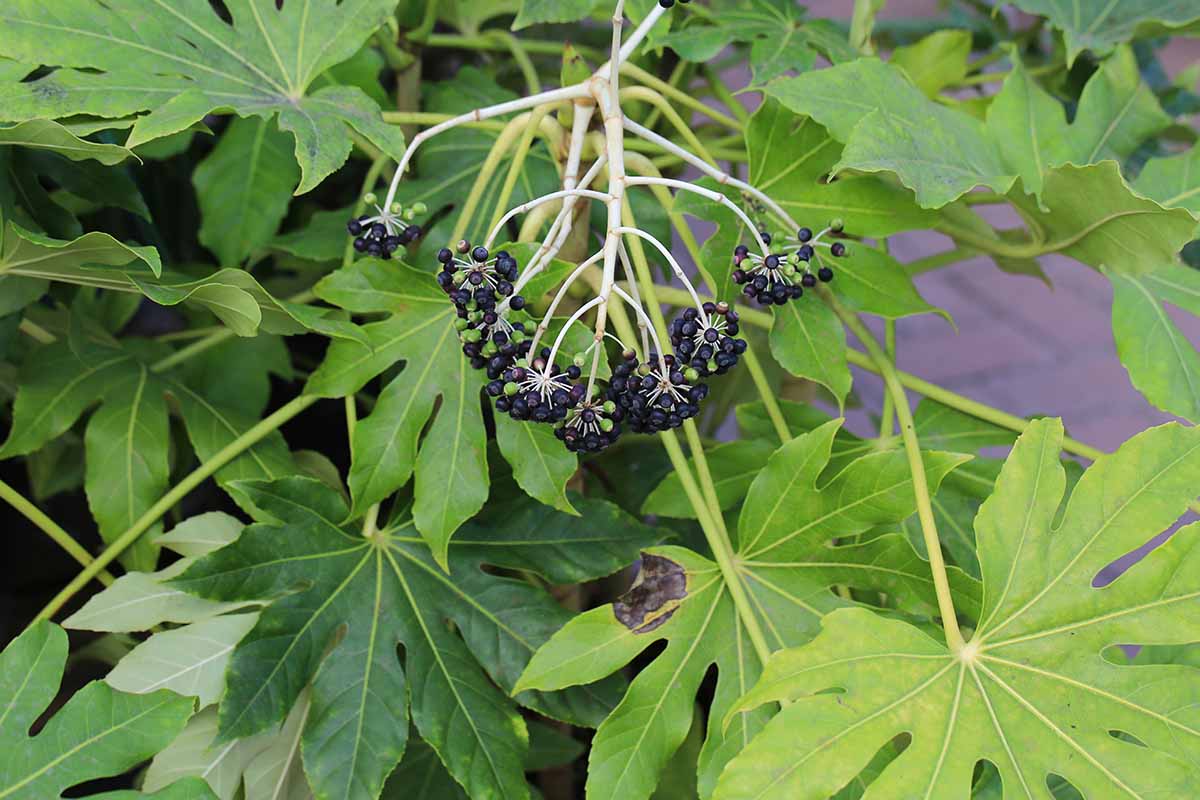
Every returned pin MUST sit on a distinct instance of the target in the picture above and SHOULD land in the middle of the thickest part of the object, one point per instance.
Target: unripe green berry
(470, 335)
(609, 406)
(369, 198)
(420, 208)
(691, 375)
(579, 360)
(511, 388)
(460, 324)
(836, 225)
(606, 424)
(396, 208)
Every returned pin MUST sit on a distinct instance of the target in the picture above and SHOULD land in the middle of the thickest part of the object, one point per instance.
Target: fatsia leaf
(935, 61)
(1093, 216)
(139, 601)
(196, 754)
(1163, 364)
(450, 462)
(874, 110)
(1116, 113)
(181, 61)
(360, 598)
(1098, 25)
(244, 186)
(97, 734)
(34, 254)
(780, 39)
(808, 340)
(44, 134)
(1174, 181)
(791, 158)
(788, 564)
(190, 661)
(1029, 692)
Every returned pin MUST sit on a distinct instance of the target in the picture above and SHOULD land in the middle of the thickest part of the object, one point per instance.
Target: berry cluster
(481, 287)
(703, 340)
(652, 398)
(776, 278)
(387, 231)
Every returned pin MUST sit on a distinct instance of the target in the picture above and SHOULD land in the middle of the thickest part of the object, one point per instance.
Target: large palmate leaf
(126, 442)
(1163, 365)
(787, 563)
(780, 39)
(181, 61)
(1173, 181)
(1098, 25)
(44, 134)
(1116, 113)
(873, 108)
(791, 158)
(340, 605)
(97, 734)
(244, 186)
(1031, 692)
(450, 462)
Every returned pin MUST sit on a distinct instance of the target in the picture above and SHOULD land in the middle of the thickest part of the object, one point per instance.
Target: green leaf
(190, 661)
(244, 186)
(1030, 692)
(1173, 181)
(98, 733)
(935, 61)
(535, 12)
(1028, 126)
(1163, 364)
(128, 465)
(788, 563)
(139, 601)
(873, 108)
(182, 62)
(56, 387)
(541, 465)
(450, 462)
(196, 755)
(1098, 25)
(733, 466)
(36, 255)
(1093, 216)
(807, 339)
(44, 134)
(780, 40)
(791, 158)
(360, 598)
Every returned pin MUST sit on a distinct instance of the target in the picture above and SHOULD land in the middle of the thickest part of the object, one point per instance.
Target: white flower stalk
(656, 387)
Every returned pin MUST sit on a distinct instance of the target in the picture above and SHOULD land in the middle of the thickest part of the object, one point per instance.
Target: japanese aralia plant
(407, 513)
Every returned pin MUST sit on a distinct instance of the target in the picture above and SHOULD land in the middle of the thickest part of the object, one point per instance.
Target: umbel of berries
(387, 231)
(480, 285)
(776, 278)
(704, 340)
(655, 396)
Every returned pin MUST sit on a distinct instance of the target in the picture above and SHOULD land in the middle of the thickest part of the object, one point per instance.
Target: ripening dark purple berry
(741, 250)
(360, 244)
(837, 249)
(766, 237)
(804, 234)
(445, 255)
(480, 254)
(825, 274)
(666, 3)
(354, 227)
(808, 280)
(517, 303)
(805, 253)
(771, 261)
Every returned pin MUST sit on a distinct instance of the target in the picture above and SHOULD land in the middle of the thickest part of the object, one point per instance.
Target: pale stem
(532, 204)
(571, 320)
(678, 270)
(562, 292)
(716, 197)
(709, 170)
(642, 321)
(479, 114)
(645, 323)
